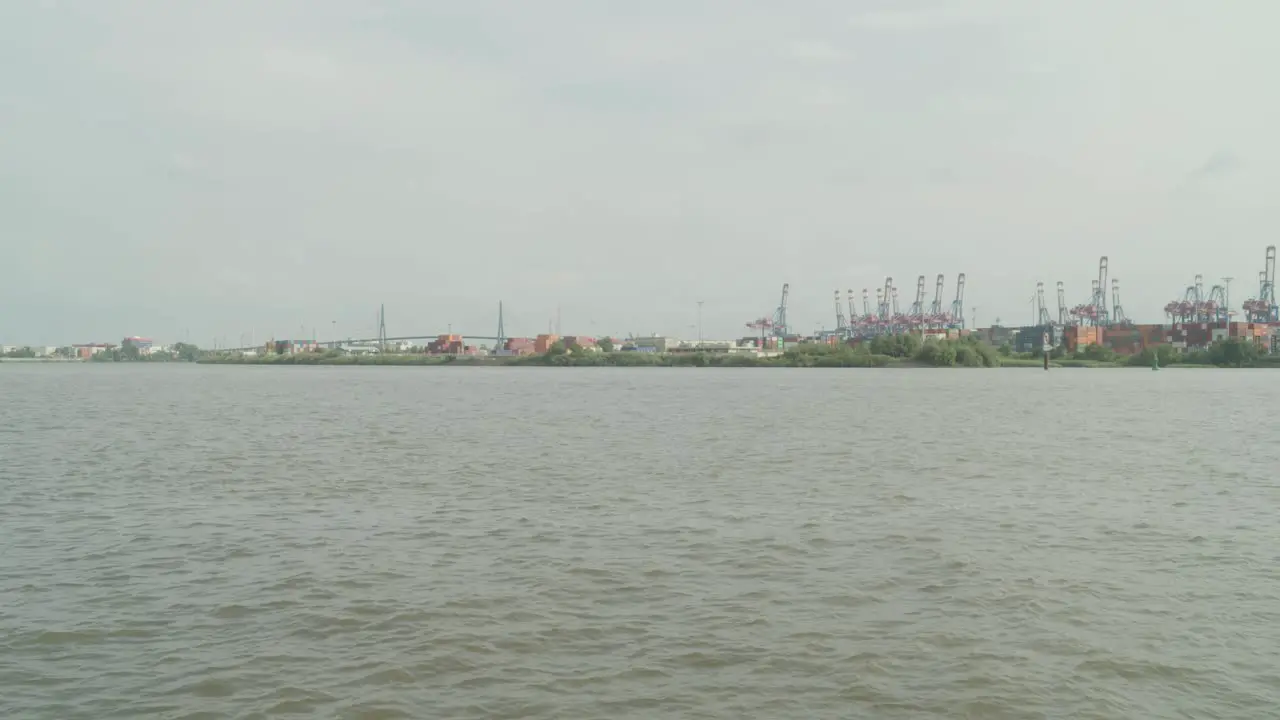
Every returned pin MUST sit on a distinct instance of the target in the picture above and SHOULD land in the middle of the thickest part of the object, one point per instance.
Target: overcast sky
(225, 167)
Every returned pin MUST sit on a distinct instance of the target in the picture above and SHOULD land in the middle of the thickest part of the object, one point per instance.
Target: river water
(254, 542)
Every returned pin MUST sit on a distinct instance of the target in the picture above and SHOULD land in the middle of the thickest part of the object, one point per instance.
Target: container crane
(1042, 308)
(957, 306)
(1263, 308)
(1215, 305)
(1093, 312)
(853, 311)
(764, 325)
(1100, 293)
(916, 313)
(936, 317)
(1197, 306)
(1063, 315)
(780, 328)
(1118, 316)
(777, 324)
(842, 325)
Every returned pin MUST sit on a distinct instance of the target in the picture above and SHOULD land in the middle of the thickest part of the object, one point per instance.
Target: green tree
(1238, 353)
(1165, 355)
(1098, 353)
(605, 345)
(186, 352)
(937, 353)
(899, 346)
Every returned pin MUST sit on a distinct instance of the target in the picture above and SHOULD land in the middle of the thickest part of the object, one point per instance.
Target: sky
(219, 171)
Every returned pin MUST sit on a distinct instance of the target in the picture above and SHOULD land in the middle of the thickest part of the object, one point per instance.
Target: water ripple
(213, 542)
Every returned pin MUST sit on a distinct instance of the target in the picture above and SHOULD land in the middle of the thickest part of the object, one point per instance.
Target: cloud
(440, 156)
(815, 50)
(913, 20)
(1220, 164)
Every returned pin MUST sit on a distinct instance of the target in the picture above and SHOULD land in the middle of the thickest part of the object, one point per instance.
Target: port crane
(1263, 308)
(1197, 306)
(1042, 308)
(1118, 316)
(1094, 312)
(777, 324)
(957, 306)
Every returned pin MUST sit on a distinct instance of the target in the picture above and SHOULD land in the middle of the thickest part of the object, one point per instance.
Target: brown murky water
(252, 542)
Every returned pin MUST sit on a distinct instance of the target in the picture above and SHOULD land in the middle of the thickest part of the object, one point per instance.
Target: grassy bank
(896, 351)
(580, 359)
(890, 353)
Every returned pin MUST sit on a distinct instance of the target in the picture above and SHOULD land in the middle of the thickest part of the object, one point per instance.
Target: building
(88, 350)
(288, 347)
(359, 349)
(714, 347)
(143, 345)
(654, 343)
(581, 341)
(543, 343)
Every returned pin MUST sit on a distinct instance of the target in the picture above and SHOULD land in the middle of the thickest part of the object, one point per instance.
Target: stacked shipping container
(446, 345)
(1078, 337)
(519, 346)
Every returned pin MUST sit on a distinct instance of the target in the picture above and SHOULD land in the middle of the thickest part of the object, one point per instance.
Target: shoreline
(627, 360)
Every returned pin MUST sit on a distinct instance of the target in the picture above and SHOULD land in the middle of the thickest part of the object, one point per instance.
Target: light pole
(334, 325)
(975, 316)
(700, 322)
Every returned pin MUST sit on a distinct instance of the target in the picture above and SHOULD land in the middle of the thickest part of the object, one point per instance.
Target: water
(253, 542)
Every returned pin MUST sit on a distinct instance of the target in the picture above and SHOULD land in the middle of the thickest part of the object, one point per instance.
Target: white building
(657, 343)
(715, 347)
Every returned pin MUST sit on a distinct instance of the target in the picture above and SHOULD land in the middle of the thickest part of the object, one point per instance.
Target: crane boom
(957, 306)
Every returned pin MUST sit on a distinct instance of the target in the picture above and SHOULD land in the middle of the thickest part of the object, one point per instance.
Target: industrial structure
(1077, 325)
(1262, 308)
(888, 316)
(1094, 311)
(1197, 306)
(775, 325)
(1200, 315)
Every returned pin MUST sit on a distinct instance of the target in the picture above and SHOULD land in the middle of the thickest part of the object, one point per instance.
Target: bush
(939, 354)
(964, 353)
(1097, 353)
(899, 346)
